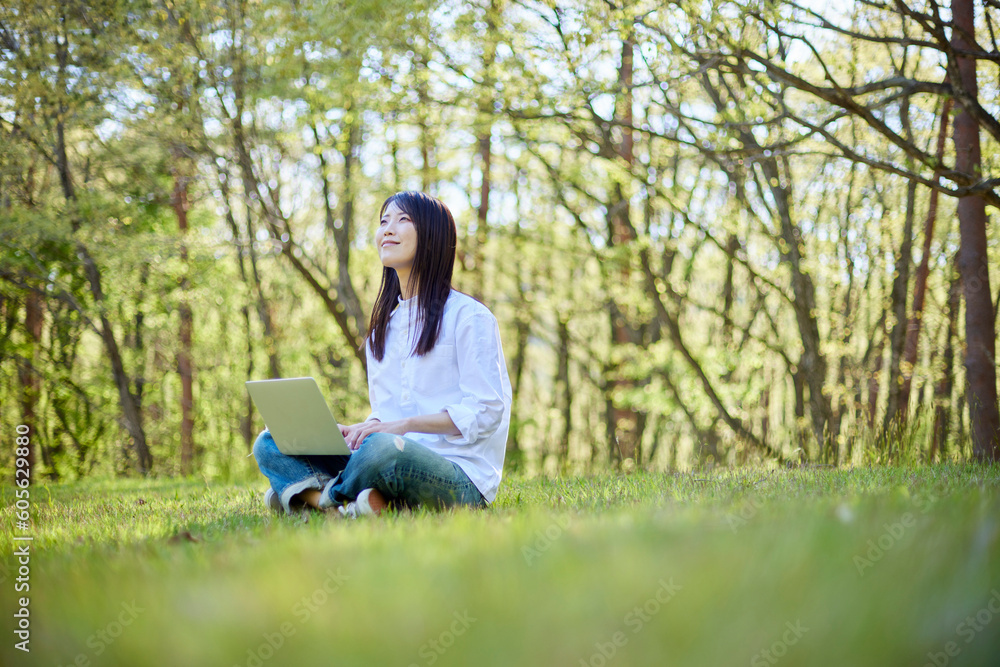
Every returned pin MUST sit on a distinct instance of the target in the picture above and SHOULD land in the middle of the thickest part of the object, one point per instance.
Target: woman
(437, 382)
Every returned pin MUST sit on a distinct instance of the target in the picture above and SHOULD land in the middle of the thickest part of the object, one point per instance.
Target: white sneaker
(272, 500)
(357, 507)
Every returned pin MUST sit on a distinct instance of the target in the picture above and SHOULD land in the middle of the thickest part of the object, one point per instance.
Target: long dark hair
(430, 276)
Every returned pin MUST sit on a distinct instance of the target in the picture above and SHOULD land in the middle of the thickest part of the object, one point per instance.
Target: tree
(57, 97)
(952, 49)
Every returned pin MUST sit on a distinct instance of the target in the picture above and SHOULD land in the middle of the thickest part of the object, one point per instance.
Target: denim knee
(379, 450)
(264, 447)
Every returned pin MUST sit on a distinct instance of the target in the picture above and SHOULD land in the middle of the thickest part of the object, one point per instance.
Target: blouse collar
(405, 304)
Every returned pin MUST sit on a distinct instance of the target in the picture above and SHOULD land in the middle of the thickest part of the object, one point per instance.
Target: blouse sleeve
(371, 393)
(480, 375)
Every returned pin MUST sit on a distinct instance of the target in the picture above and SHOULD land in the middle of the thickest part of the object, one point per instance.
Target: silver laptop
(297, 416)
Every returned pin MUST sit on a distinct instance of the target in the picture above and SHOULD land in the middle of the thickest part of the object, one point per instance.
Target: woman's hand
(439, 422)
(355, 434)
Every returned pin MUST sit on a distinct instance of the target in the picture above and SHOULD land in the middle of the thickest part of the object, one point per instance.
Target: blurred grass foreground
(808, 566)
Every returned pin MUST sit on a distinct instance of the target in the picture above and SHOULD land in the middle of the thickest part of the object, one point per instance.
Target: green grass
(184, 573)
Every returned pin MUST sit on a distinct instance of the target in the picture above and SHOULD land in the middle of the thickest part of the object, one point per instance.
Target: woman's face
(396, 239)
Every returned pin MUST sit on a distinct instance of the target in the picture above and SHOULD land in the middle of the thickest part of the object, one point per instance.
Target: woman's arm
(439, 422)
(482, 378)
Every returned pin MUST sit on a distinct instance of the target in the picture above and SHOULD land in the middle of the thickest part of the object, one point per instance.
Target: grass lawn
(868, 566)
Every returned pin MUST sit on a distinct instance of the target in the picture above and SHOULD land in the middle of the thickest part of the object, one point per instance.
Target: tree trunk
(732, 245)
(139, 338)
(335, 299)
(345, 235)
(263, 305)
(610, 420)
(812, 363)
(943, 388)
(426, 141)
(246, 422)
(846, 357)
(522, 323)
(347, 296)
(706, 441)
(394, 150)
(484, 140)
(980, 337)
(566, 398)
(251, 192)
(184, 356)
(671, 324)
(515, 451)
(131, 413)
(130, 406)
(28, 374)
(626, 424)
(482, 211)
(873, 383)
(765, 410)
(900, 286)
(920, 286)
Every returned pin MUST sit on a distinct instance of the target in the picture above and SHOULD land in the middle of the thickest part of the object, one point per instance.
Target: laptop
(297, 416)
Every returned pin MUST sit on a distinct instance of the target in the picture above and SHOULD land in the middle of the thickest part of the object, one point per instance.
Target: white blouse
(464, 375)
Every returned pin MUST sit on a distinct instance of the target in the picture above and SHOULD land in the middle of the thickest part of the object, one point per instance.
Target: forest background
(713, 232)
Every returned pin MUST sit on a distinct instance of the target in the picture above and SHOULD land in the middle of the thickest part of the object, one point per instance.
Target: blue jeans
(405, 472)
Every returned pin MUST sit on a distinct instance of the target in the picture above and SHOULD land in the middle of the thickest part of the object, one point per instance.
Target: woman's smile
(396, 239)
